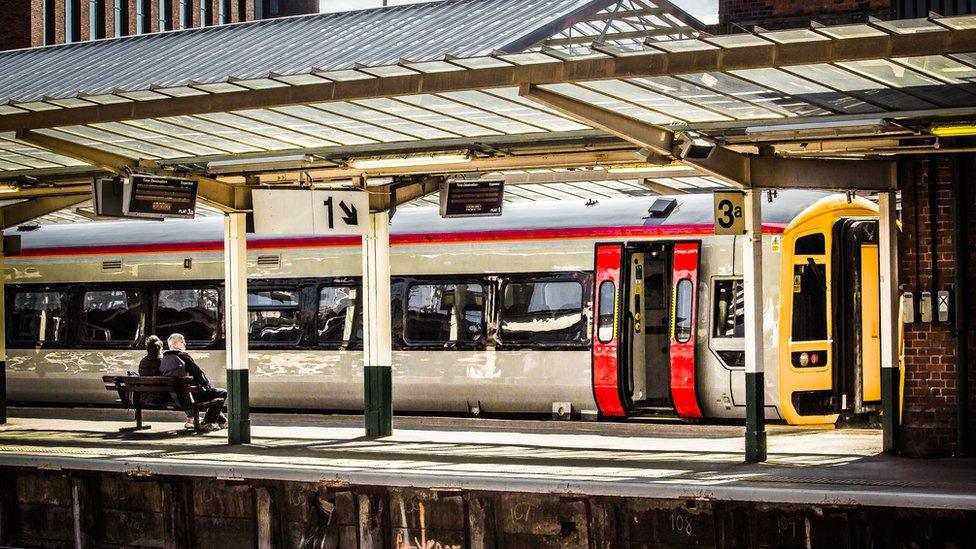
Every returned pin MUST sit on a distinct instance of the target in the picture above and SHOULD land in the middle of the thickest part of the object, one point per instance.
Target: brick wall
(297, 7)
(777, 14)
(929, 421)
(15, 22)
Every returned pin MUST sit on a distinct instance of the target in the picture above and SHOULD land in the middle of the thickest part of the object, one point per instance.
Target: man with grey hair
(176, 362)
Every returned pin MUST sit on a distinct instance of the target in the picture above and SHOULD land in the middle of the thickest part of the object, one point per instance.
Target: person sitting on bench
(177, 363)
(149, 366)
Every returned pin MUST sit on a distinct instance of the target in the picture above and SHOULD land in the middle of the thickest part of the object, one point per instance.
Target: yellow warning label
(777, 243)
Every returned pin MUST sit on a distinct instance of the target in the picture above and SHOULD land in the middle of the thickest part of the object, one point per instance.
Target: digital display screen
(160, 196)
(472, 198)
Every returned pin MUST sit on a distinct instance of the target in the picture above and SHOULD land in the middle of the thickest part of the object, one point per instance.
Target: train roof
(691, 210)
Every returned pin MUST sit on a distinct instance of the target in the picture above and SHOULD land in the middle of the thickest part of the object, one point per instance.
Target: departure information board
(160, 196)
(472, 198)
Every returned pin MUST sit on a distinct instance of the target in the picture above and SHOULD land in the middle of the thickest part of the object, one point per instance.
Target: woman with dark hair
(149, 365)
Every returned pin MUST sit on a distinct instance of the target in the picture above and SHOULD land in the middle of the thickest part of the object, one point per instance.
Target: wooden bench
(132, 391)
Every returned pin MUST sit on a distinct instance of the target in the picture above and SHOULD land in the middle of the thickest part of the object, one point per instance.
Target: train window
(542, 312)
(682, 311)
(811, 244)
(608, 312)
(192, 313)
(113, 316)
(810, 302)
(729, 318)
(273, 316)
(39, 317)
(444, 313)
(338, 316)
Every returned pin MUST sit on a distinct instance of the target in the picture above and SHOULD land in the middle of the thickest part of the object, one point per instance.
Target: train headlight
(804, 359)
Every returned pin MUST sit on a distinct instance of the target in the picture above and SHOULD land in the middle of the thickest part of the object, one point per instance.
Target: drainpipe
(960, 177)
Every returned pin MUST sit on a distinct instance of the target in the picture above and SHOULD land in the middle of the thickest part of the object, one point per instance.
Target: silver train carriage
(617, 307)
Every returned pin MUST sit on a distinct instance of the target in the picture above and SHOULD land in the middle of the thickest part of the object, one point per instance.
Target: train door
(644, 347)
(857, 317)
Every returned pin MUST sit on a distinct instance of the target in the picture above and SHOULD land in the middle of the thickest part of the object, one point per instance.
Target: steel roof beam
(736, 168)
(652, 63)
(22, 212)
(228, 198)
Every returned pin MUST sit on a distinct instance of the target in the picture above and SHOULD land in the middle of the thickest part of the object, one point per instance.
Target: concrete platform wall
(40, 508)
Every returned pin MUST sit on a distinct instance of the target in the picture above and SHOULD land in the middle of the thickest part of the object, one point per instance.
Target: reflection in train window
(608, 309)
(337, 316)
(111, 316)
(39, 317)
(192, 313)
(730, 316)
(682, 311)
(444, 313)
(273, 316)
(542, 312)
(810, 302)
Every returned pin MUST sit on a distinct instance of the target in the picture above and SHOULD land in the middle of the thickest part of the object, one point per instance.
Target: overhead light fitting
(408, 161)
(961, 130)
(650, 169)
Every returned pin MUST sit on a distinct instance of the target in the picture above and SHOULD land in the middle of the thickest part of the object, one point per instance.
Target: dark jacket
(180, 364)
(149, 366)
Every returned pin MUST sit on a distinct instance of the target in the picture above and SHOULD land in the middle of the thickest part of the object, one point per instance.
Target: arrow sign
(349, 214)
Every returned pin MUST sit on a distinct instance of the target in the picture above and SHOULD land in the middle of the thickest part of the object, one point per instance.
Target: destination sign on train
(160, 196)
(472, 198)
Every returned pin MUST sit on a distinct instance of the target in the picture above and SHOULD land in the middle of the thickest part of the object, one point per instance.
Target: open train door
(644, 360)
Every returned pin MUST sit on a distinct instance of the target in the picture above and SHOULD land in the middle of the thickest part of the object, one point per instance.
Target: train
(609, 308)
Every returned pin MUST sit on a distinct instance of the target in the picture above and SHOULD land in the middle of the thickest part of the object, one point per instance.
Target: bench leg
(196, 420)
(139, 426)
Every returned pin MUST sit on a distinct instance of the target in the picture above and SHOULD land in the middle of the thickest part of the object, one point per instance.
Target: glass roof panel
(851, 31)
(389, 70)
(305, 127)
(607, 102)
(899, 76)
(38, 106)
(219, 87)
(941, 67)
(284, 135)
(344, 75)
(655, 101)
(699, 95)
(435, 112)
(7, 109)
(793, 36)
(125, 146)
(433, 66)
(507, 101)
(108, 99)
(737, 40)
(180, 91)
(674, 46)
(959, 22)
(264, 83)
(293, 80)
(142, 135)
(346, 124)
(864, 88)
(910, 26)
(805, 90)
(22, 160)
(24, 148)
(228, 132)
(528, 58)
(762, 96)
(492, 120)
(11, 167)
(191, 134)
(379, 118)
(70, 102)
(481, 62)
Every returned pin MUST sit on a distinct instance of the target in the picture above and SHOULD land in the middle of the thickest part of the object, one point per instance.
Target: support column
(377, 328)
(753, 294)
(235, 326)
(3, 336)
(890, 301)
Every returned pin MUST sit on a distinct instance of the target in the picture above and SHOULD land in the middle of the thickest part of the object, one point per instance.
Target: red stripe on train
(404, 239)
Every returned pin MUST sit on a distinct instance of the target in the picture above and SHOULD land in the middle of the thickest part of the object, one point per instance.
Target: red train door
(646, 305)
(684, 322)
(606, 334)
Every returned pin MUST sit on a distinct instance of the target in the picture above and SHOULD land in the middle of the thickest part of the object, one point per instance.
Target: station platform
(806, 466)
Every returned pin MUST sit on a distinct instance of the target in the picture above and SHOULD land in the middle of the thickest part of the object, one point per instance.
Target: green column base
(238, 408)
(379, 400)
(890, 385)
(755, 418)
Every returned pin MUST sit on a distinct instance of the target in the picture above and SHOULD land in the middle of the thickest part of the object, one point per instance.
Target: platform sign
(472, 198)
(304, 211)
(730, 213)
(158, 196)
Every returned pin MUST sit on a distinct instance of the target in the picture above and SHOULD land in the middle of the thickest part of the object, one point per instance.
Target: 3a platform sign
(729, 213)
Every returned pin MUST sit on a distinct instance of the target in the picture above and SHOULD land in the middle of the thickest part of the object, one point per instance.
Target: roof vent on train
(112, 265)
(269, 261)
(662, 207)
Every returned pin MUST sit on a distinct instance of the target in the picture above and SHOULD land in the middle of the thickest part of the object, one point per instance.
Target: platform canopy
(495, 85)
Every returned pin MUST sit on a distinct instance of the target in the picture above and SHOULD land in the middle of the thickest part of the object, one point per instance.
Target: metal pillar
(378, 348)
(3, 337)
(890, 298)
(753, 293)
(236, 329)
